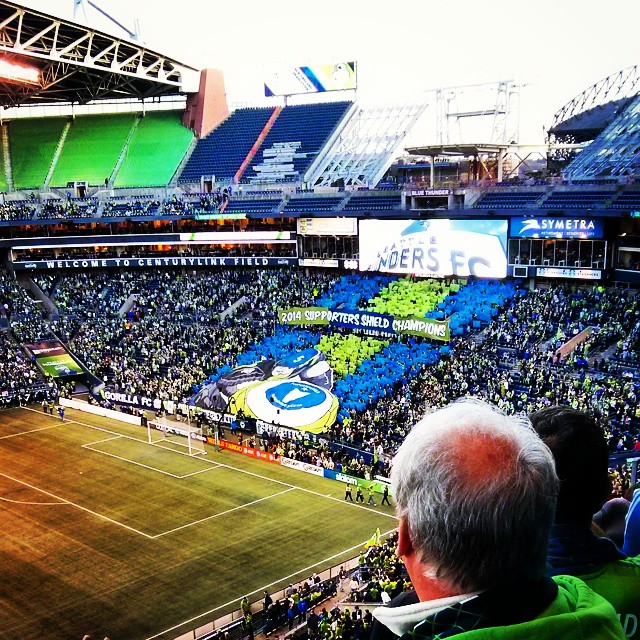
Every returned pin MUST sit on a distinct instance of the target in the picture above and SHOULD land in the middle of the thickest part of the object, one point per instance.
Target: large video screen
(317, 78)
(435, 247)
(54, 359)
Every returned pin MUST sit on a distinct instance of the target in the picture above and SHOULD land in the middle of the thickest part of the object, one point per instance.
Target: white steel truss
(79, 64)
(366, 147)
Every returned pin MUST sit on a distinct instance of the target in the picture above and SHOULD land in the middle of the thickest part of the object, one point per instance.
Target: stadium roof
(592, 111)
(76, 64)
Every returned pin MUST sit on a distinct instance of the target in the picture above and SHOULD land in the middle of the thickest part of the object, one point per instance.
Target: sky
(555, 49)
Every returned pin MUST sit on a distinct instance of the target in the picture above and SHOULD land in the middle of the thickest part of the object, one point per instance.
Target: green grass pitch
(106, 534)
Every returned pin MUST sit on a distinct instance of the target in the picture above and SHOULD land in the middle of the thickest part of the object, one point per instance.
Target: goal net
(171, 436)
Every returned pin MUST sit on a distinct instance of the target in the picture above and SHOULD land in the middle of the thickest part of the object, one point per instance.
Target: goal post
(165, 434)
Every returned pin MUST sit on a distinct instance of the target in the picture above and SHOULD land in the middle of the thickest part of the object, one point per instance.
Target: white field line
(73, 504)
(195, 473)
(137, 464)
(223, 513)
(40, 504)
(249, 473)
(121, 435)
(304, 570)
(90, 444)
(24, 433)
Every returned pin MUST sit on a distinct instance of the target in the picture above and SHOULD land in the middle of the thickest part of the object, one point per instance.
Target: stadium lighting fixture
(17, 73)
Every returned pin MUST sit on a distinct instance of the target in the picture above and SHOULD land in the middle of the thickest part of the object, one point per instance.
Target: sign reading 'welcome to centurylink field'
(366, 321)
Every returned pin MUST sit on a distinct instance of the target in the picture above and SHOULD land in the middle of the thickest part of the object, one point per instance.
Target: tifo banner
(557, 228)
(435, 247)
(298, 405)
(366, 321)
(293, 392)
(172, 261)
(317, 78)
(54, 359)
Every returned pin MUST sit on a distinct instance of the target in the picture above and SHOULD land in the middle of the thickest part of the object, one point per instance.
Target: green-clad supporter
(581, 454)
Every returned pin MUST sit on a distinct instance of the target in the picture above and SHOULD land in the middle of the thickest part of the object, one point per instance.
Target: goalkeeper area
(106, 533)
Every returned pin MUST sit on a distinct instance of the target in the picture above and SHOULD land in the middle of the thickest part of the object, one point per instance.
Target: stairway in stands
(257, 144)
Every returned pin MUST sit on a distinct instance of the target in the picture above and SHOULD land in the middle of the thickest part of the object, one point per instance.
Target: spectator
(475, 491)
(580, 451)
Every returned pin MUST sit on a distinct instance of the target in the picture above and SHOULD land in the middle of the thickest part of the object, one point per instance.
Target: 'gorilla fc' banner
(294, 392)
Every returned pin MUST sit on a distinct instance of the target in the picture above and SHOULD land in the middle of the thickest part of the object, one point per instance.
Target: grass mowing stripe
(266, 586)
(24, 433)
(138, 464)
(73, 504)
(223, 513)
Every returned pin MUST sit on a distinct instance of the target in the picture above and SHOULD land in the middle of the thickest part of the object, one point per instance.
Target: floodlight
(17, 73)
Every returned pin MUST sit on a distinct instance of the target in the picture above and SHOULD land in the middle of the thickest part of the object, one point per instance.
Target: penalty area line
(222, 513)
(137, 464)
(266, 586)
(24, 433)
(77, 506)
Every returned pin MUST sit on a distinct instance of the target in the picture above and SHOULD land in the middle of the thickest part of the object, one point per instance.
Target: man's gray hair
(477, 490)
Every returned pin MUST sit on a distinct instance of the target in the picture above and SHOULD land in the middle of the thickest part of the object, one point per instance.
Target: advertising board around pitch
(435, 248)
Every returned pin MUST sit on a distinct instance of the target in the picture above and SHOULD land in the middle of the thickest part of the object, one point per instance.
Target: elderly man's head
(476, 493)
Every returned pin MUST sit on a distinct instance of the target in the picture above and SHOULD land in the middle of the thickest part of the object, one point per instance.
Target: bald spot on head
(481, 457)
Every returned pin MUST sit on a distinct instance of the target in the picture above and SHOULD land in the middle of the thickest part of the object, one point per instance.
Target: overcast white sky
(556, 47)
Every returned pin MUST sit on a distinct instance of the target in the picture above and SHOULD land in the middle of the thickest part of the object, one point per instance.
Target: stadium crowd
(170, 337)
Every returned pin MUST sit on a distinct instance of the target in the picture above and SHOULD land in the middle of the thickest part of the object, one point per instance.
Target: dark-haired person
(475, 492)
(581, 454)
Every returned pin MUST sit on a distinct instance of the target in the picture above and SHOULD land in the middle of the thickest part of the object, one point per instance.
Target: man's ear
(405, 546)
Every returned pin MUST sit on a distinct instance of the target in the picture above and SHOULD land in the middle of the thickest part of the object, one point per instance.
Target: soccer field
(105, 533)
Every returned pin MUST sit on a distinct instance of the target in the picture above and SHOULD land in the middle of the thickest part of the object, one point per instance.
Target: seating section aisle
(221, 153)
(33, 143)
(92, 148)
(297, 136)
(156, 149)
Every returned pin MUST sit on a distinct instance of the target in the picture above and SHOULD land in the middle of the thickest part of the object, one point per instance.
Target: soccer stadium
(220, 323)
